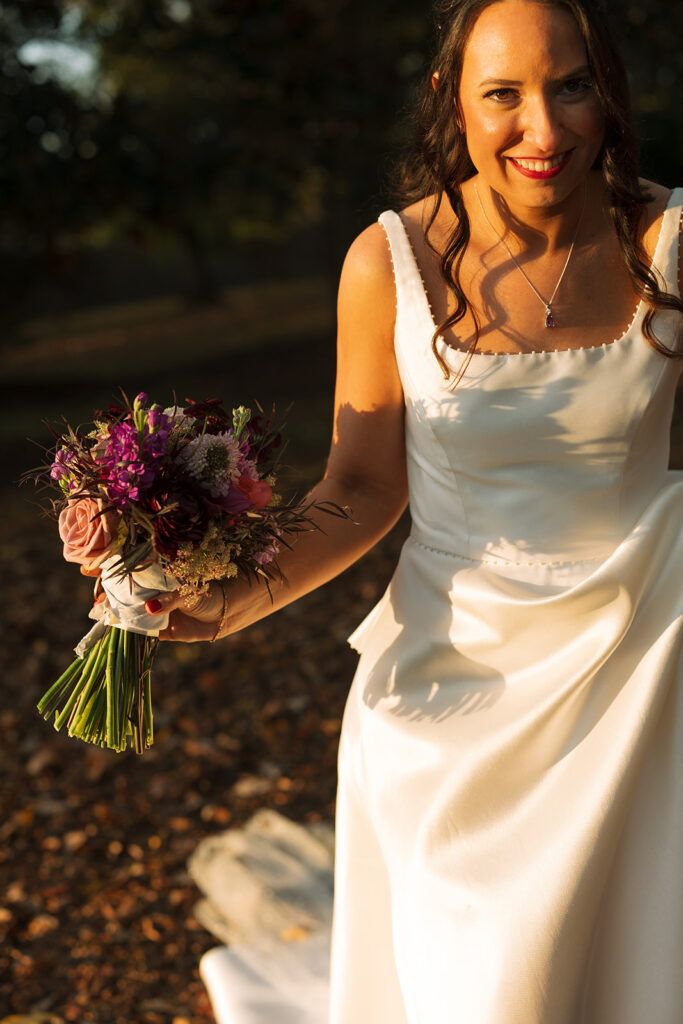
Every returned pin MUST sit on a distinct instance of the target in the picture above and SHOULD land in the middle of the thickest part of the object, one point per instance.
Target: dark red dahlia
(180, 515)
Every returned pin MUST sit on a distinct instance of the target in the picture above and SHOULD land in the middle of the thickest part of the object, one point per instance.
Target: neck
(534, 229)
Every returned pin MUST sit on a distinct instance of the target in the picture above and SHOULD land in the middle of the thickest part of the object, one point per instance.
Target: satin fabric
(124, 602)
(510, 809)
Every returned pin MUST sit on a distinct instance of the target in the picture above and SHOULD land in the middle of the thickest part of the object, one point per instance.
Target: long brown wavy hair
(439, 162)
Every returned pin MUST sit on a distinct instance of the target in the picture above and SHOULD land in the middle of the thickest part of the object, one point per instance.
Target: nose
(542, 127)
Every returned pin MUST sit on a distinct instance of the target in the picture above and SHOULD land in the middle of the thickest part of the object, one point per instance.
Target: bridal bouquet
(155, 499)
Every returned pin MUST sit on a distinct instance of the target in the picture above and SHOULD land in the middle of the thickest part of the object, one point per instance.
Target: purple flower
(130, 459)
(157, 419)
(60, 467)
(267, 555)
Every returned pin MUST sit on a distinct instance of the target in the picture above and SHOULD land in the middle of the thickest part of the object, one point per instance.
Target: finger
(163, 603)
(90, 572)
(187, 629)
(201, 606)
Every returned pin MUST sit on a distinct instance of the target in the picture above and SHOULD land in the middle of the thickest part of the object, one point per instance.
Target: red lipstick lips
(550, 173)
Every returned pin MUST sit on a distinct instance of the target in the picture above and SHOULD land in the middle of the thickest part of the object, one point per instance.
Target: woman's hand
(191, 618)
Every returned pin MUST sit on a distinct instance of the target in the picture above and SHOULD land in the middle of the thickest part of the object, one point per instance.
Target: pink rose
(86, 539)
(257, 492)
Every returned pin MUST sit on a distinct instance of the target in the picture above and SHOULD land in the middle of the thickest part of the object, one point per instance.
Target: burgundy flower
(264, 440)
(180, 515)
(211, 411)
(112, 412)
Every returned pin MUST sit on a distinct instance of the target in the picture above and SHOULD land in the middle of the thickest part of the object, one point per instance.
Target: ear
(435, 81)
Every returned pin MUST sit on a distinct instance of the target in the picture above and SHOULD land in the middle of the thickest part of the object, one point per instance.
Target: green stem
(138, 706)
(107, 694)
(50, 699)
(120, 695)
(81, 712)
(112, 692)
(93, 655)
(149, 722)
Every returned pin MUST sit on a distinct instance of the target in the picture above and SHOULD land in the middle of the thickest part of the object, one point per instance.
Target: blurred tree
(651, 32)
(207, 121)
(212, 121)
(247, 118)
(45, 134)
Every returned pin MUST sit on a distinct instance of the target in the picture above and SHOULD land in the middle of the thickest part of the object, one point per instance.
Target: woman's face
(533, 124)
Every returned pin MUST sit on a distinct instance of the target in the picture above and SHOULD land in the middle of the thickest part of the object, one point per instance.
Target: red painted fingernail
(153, 606)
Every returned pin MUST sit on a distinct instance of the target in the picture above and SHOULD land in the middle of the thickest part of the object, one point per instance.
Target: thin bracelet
(224, 612)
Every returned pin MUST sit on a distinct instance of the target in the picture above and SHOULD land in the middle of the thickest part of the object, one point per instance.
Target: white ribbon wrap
(124, 604)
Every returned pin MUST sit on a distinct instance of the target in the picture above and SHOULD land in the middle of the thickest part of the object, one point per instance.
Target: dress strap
(414, 322)
(665, 263)
(667, 252)
(411, 298)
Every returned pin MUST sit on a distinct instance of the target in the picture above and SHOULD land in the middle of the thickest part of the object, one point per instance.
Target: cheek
(488, 135)
(481, 122)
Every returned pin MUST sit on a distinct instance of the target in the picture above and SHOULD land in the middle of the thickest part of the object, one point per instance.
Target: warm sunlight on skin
(366, 468)
(533, 124)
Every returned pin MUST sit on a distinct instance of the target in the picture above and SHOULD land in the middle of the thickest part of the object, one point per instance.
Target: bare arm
(366, 465)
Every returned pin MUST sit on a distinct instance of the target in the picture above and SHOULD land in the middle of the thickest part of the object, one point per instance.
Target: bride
(510, 809)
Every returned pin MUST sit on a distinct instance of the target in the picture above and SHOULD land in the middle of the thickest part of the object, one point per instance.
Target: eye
(501, 94)
(576, 86)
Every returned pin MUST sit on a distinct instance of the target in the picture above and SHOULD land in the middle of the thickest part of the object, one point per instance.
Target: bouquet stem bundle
(105, 696)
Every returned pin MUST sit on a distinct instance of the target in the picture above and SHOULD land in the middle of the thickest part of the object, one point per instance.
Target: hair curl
(439, 162)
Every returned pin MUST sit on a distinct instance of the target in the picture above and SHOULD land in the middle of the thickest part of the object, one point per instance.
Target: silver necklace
(549, 318)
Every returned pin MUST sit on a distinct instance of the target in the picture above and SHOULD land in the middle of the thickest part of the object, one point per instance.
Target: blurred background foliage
(206, 124)
(170, 156)
(201, 124)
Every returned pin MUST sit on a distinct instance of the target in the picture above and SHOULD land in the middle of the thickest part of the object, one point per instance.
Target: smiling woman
(510, 807)
(528, 120)
(544, 124)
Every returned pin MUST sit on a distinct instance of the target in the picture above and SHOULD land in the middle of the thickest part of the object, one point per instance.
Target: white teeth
(540, 165)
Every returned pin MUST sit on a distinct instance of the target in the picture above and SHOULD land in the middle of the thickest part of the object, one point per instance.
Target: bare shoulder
(654, 214)
(366, 306)
(368, 271)
(369, 257)
(367, 373)
(654, 211)
(423, 219)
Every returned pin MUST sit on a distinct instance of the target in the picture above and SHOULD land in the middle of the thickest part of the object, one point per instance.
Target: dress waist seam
(495, 560)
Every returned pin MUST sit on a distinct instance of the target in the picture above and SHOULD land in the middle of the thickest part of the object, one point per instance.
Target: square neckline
(447, 349)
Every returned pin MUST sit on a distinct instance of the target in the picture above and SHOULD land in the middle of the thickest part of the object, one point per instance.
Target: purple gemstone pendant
(549, 321)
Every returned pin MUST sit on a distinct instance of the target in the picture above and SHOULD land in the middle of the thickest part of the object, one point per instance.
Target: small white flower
(178, 417)
(213, 461)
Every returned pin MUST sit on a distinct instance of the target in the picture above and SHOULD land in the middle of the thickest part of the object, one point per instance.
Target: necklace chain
(549, 318)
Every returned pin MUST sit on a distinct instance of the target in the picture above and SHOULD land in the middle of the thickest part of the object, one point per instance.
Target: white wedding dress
(509, 838)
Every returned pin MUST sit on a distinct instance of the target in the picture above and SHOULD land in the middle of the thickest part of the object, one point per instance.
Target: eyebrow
(583, 70)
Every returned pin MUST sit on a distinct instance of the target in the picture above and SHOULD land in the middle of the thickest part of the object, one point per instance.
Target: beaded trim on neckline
(446, 349)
